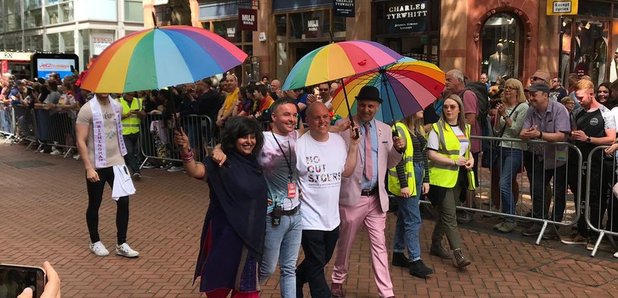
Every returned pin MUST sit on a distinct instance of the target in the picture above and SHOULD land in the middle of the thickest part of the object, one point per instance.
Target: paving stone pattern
(42, 217)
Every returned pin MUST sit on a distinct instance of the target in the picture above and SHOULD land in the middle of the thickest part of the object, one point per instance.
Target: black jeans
(95, 196)
(318, 247)
(131, 141)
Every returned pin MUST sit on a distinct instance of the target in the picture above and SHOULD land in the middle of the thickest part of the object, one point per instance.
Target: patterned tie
(368, 161)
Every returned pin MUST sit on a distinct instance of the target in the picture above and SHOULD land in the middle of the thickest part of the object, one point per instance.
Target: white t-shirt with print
(433, 141)
(320, 169)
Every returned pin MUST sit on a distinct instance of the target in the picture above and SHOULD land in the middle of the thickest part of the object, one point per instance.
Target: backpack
(482, 100)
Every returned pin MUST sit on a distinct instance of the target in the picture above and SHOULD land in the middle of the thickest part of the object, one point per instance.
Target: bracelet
(541, 135)
(187, 156)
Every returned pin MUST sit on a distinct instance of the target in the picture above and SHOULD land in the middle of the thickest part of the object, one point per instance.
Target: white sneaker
(175, 169)
(55, 152)
(126, 251)
(99, 249)
(616, 255)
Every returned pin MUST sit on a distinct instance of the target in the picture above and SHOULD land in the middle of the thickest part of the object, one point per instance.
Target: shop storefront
(410, 27)
(223, 19)
(588, 46)
(302, 26)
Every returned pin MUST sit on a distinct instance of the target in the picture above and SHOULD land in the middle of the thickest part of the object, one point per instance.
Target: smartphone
(15, 278)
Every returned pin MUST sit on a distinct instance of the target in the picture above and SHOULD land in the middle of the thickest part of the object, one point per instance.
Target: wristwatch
(588, 140)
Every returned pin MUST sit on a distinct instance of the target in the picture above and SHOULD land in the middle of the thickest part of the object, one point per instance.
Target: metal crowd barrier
(25, 129)
(7, 122)
(604, 207)
(157, 137)
(55, 128)
(524, 203)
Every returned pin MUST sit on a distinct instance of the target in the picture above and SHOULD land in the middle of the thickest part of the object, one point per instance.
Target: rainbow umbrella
(338, 60)
(407, 86)
(161, 57)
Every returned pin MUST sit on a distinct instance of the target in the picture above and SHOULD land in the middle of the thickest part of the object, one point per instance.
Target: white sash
(100, 152)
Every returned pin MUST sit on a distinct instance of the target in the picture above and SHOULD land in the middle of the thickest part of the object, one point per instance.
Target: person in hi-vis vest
(409, 181)
(450, 163)
(132, 113)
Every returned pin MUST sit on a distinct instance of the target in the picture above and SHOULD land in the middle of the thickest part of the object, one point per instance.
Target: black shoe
(551, 233)
(439, 251)
(400, 260)
(533, 230)
(418, 269)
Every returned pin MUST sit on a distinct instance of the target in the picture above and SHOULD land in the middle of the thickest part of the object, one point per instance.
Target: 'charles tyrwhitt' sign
(407, 16)
(343, 8)
(247, 19)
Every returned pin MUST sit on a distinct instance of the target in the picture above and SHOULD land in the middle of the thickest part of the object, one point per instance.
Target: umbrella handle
(347, 104)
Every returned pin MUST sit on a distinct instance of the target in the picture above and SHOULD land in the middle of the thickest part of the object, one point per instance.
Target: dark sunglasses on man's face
(323, 90)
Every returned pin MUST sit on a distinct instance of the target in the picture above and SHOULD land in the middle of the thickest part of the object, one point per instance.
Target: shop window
(281, 21)
(501, 46)
(228, 30)
(339, 26)
(594, 8)
(589, 50)
(312, 24)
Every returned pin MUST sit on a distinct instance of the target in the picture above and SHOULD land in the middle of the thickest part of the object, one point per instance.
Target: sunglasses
(324, 90)
(450, 107)
(510, 88)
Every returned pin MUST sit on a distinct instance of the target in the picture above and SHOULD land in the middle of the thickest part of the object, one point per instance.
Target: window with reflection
(67, 12)
(52, 15)
(228, 30)
(53, 42)
(501, 38)
(69, 41)
(312, 24)
(589, 49)
(34, 43)
(33, 18)
(13, 22)
(133, 11)
(30, 4)
(281, 23)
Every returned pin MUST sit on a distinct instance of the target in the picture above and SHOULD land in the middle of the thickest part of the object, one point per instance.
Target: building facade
(83, 27)
(498, 37)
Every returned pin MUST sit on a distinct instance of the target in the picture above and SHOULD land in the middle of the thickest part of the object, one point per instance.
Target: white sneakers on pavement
(99, 249)
(126, 251)
(123, 250)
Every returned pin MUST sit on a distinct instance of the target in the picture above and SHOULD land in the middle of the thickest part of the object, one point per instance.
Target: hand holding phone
(20, 278)
(51, 289)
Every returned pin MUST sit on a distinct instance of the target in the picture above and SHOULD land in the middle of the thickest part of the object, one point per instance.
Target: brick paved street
(42, 217)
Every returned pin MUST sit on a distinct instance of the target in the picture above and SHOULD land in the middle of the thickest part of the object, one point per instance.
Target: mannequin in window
(498, 64)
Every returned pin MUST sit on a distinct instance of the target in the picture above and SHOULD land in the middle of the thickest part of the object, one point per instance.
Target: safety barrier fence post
(601, 204)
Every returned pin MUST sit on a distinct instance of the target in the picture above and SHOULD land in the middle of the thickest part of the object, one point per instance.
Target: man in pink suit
(363, 198)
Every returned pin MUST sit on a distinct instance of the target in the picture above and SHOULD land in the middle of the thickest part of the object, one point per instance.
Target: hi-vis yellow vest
(130, 125)
(393, 180)
(446, 176)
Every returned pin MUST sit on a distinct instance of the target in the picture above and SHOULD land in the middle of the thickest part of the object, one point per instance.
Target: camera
(493, 103)
(275, 216)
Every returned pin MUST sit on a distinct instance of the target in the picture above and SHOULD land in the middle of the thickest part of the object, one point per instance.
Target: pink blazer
(388, 157)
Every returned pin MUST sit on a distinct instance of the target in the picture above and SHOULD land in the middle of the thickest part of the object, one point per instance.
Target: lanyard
(288, 162)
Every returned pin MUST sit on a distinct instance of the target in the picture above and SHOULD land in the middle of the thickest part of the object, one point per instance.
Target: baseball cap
(538, 87)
